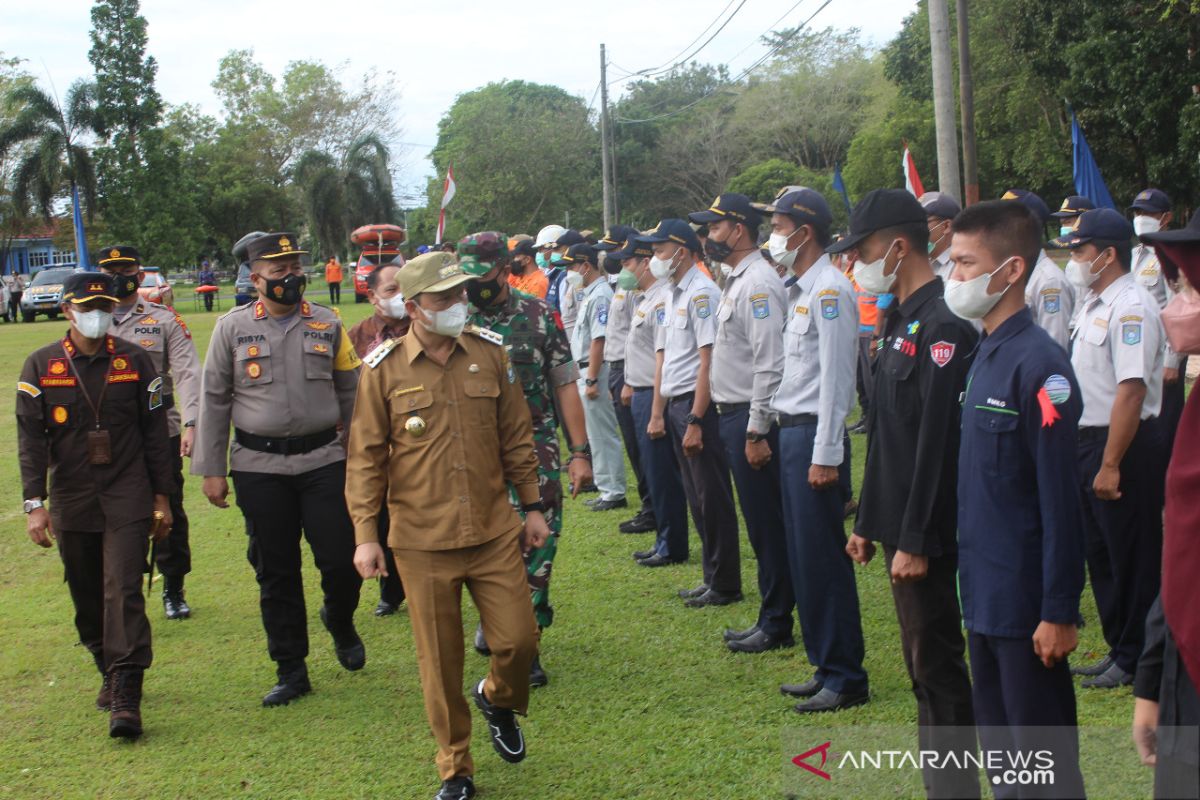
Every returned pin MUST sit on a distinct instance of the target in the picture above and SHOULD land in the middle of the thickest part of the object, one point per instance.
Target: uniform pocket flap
(252, 350)
(405, 400)
(481, 387)
(995, 421)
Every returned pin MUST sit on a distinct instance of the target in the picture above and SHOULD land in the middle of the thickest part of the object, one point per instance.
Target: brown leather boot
(125, 719)
(104, 699)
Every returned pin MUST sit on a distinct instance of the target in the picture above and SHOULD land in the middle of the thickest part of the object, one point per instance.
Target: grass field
(644, 701)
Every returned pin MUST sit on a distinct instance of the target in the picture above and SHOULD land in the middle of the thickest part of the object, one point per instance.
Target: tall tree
(340, 196)
(127, 101)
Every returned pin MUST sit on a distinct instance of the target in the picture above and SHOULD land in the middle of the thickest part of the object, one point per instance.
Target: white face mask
(870, 276)
(1143, 224)
(970, 299)
(393, 306)
(1081, 274)
(574, 279)
(778, 246)
(663, 267)
(448, 322)
(93, 324)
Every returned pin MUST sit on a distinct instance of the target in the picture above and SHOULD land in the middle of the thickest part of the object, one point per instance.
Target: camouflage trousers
(539, 562)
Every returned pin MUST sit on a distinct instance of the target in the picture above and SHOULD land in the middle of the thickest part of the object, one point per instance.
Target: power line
(740, 76)
(674, 60)
(695, 52)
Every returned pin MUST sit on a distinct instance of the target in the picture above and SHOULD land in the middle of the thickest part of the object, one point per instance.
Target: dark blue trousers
(821, 572)
(665, 486)
(616, 382)
(762, 508)
(1022, 706)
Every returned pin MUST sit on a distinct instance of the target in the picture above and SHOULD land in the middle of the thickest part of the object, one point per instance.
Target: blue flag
(840, 186)
(81, 250)
(1088, 181)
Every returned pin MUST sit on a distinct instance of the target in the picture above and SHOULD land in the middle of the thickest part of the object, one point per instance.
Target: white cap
(549, 235)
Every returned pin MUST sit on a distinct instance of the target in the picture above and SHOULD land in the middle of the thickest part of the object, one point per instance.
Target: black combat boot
(125, 717)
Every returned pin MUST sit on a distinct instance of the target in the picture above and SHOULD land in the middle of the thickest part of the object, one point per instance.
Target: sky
(437, 49)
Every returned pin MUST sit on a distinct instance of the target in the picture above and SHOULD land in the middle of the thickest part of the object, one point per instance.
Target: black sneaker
(644, 522)
(506, 734)
(460, 787)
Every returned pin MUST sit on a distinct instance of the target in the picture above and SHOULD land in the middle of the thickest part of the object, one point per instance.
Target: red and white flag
(912, 181)
(448, 190)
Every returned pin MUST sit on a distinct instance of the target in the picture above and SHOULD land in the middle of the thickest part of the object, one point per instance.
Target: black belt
(582, 364)
(792, 420)
(731, 408)
(640, 388)
(689, 397)
(285, 445)
(1093, 434)
(619, 364)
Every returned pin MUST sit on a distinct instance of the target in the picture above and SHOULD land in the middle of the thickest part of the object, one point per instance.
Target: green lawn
(644, 701)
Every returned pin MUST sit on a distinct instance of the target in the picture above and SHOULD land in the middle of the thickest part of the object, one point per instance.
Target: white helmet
(548, 235)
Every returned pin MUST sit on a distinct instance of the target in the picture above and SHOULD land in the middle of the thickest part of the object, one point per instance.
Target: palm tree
(54, 159)
(338, 197)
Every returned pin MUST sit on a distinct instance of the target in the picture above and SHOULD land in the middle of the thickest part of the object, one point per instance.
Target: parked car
(44, 293)
(156, 288)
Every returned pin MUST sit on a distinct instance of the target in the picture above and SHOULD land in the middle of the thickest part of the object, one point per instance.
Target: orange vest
(533, 282)
(333, 271)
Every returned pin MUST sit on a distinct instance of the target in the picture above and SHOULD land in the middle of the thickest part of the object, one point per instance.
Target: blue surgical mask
(540, 258)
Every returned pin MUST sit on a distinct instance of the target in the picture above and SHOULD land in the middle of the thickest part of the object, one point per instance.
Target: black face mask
(287, 290)
(518, 267)
(124, 285)
(718, 251)
(483, 293)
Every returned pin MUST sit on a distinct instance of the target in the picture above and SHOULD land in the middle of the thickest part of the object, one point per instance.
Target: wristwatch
(579, 448)
(691, 419)
(755, 436)
(538, 506)
(190, 424)
(591, 381)
(32, 505)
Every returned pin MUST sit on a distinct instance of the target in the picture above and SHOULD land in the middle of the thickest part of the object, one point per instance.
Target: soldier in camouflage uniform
(540, 354)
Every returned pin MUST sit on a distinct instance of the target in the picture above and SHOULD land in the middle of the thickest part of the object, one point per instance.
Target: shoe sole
(784, 645)
(840, 707)
(124, 731)
(709, 603)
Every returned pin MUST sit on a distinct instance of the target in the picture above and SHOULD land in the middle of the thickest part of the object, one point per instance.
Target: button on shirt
(820, 355)
(909, 482)
(592, 322)
(1020, 522)
(274, 378)
(689, 322)
(620, 315)
(163, 333)
(441, 444)
(1119, 338)
(648, 309)
(747, 361)
(1051, 298)
(1147, 271)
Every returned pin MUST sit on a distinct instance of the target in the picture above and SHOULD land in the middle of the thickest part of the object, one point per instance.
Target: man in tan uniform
(440, 429)
(283, 371)
(162, 332)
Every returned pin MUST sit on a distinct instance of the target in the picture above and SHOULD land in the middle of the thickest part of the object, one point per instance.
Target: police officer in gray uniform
(162, 332)
(940, 211)
(815, 396)
(284, 372)
(1048, 293)
(747, 365)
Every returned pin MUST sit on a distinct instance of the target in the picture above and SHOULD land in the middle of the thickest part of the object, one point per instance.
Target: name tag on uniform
(99, 447)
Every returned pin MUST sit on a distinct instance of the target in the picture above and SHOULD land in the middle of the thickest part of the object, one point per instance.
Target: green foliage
(126, 100)
(761, 182)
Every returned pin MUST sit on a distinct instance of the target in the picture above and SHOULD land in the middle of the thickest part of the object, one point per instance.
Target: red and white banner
(448, 190)
(912, 180)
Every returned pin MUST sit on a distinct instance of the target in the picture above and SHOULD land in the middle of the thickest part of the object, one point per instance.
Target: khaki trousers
(494, 574)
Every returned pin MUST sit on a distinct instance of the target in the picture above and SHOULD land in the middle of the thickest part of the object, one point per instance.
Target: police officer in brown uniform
(90, 412)
(162, 332)
(440, 430)
(283, 372)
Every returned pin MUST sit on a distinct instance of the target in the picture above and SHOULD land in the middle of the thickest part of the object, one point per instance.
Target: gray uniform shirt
(820, 355)
(620, 315)
(1119, 337)
(162, 332)
(1147, 271)
(648, 309)
(592, 322)
(569, 300)
(943, 267)
(689, 323)
(273, 379)
(747, 363)
(1051, 299)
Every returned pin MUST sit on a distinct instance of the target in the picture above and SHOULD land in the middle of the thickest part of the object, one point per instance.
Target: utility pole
(949, 181)
(966, 100)
(604, 158)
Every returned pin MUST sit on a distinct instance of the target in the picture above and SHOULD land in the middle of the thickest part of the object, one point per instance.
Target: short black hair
(1124, 251)
(1007, 229)
(915, 233)
(372, 278)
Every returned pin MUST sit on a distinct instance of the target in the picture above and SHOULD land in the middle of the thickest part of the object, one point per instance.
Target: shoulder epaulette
(487, 335)
(380, 352)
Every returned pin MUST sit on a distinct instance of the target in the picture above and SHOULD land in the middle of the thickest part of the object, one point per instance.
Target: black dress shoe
(481, 643)
(760, 642)
(288, 689)
(712, 598)
(460, 787)
(507, 738)
(829, 700)
(1091, 670)
(385, 609)
(537, 675)
(347, 645)
(609, 505)
(807, 689)
(730, 635)
(638, 555)
(657, 560)
(1111, 678)
(590, 488)
(685, 594)
(644, 522)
